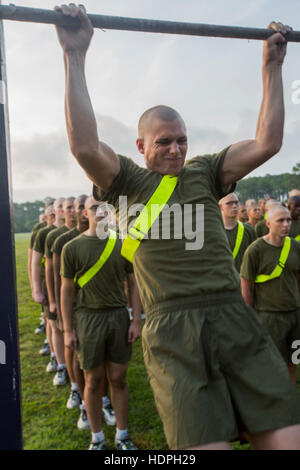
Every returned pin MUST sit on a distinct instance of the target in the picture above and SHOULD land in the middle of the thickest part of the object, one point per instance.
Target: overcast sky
(214, 83)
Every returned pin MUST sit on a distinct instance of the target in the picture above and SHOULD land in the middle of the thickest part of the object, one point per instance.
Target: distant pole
(10, 402)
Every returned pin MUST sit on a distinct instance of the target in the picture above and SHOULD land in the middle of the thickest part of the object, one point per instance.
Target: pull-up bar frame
(36, 15)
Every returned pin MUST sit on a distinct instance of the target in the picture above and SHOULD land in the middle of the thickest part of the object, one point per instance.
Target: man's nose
(174, 148)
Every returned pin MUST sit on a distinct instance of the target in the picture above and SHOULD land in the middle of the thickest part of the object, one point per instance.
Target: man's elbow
(270, 148)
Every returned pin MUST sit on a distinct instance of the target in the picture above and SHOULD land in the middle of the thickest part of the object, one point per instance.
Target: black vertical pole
(10, 403)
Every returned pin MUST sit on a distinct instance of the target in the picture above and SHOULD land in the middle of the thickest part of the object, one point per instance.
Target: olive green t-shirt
(248, 237)
(282, 293)
(106, 288)
(39, 243)
(295, 228)
(51, 237)
(166, 269)
(261, 228)
(34, 231)
(63, 239)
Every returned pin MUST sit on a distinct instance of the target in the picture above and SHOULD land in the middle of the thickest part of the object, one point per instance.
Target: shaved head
(58, 201)
(160, 112)
(270, 203)
(68, 200)
(275, 211)
(90, 201)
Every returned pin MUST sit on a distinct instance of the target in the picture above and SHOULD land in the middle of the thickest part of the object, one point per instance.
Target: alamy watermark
(179, 222)
(2, 352)
(296, 93)
(296, 354)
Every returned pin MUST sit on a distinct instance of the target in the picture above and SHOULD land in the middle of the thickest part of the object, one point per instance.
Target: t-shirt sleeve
(32, 239)
(214, 164)
(67, 267)
(48, 244)
(249, 265)
(39, 244)
(57, 246)
(129, 179)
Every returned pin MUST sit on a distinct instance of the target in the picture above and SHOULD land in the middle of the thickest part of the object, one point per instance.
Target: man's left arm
(243, 157)
(134, 331)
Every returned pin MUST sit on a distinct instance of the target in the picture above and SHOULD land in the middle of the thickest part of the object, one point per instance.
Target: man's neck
(230, 222)
(274, 239)
(252, 222)
(59, 222)
(82, 227)
(70, 224)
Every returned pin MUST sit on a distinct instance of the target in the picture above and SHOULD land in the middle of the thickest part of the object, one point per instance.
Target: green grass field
(47, 423)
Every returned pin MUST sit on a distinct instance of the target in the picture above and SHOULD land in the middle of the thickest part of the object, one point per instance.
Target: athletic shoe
(40, 329)
(143, 316)
(61, 377)
(45, 349)
(74, 400)
(97, 445)
(83, 422)
(125, 444)
(109, 415)
(52, 365)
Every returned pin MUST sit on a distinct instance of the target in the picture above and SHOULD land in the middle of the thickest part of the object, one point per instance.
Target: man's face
(164, 146)
(230, 206)
(58, 208)
(280, 223)
(295, 211)
(243, 216)
(254, 213)
(79, 208)
(69, 211)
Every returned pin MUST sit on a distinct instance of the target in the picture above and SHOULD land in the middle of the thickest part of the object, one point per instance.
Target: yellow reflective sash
(281, 263)
(90, 273)
(297, 238)
(239, 239)
(147, 217)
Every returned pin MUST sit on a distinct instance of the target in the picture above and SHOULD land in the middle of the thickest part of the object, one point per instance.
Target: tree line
(26, 214)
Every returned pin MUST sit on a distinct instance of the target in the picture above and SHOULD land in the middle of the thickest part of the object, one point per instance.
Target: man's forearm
(29, 266)
(80, 118)
(50, 280)
(135, 299)
(67, 306)
(36, 271)
(269, 132)
(247, 291)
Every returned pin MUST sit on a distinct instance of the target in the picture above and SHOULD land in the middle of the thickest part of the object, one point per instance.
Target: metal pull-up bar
(36, 15)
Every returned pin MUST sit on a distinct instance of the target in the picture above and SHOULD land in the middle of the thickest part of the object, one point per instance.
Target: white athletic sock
(61, 366)
(98, 436)
(74, 386)
(121, 433)
(105, 401)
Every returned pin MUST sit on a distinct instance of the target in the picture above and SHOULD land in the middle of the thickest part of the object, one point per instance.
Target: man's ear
(140, 145)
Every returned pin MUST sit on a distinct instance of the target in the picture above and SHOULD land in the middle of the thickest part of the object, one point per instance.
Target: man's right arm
(98, 160)
(67, 306)
(37, 293)
(247, 291)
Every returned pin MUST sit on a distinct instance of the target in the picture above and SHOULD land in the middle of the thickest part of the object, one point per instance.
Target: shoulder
(255, 247)
(130, 174)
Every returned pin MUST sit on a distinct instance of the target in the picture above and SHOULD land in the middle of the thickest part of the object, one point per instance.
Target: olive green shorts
(47, 313)
(284, 329)
(102, 335)
(215, 371)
